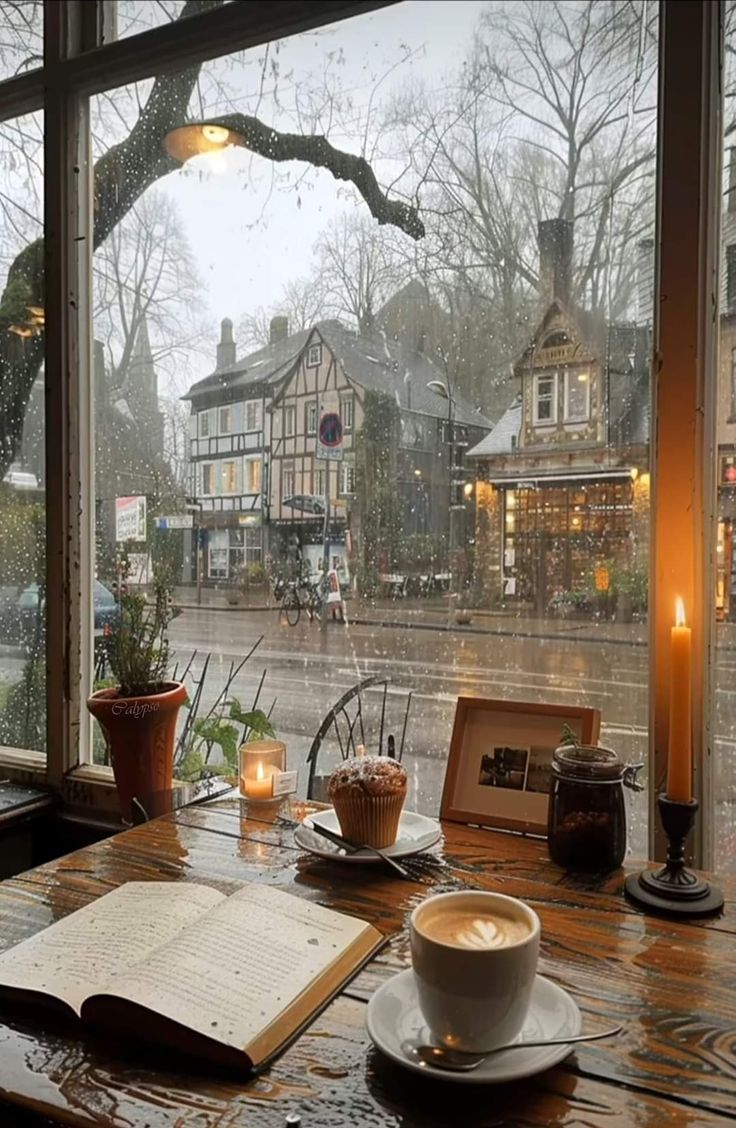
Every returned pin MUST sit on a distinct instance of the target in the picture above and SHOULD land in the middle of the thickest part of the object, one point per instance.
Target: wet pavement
(591, 664)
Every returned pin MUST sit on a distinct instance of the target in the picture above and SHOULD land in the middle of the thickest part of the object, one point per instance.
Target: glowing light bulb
(215, 134)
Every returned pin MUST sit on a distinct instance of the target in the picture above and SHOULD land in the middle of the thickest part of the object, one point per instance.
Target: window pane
(724, 766)
(22, 470)
(479, 470)
(21, 39)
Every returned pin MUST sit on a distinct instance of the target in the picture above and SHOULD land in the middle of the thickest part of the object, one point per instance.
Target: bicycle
(302, 596)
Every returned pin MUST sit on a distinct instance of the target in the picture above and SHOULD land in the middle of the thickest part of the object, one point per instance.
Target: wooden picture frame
(500, 760)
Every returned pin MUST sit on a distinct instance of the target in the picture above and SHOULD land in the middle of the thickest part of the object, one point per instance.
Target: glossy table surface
(671, 984)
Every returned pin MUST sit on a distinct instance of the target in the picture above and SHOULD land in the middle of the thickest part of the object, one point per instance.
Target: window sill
(22, 761)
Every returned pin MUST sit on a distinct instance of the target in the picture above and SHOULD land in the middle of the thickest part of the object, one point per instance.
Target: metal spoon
(460, 1061)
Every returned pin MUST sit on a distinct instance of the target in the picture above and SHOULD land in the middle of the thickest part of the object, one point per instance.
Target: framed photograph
(500, 764)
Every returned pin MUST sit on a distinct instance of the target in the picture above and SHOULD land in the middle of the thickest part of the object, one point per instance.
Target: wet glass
(488, 508)
(724, 758)
(21, 38)
(22, 465)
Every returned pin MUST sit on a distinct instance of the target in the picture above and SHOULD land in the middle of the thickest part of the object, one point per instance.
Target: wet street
(307, 671)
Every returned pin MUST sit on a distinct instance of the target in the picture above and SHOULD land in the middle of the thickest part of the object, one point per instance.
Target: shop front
(565, 539)
(228, 550)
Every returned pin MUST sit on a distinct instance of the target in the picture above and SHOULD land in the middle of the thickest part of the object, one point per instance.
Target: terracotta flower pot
(140, 733)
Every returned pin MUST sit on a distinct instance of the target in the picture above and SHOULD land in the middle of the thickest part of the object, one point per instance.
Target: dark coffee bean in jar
(587, 813)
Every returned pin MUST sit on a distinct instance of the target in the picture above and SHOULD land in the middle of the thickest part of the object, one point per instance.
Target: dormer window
(314, 356)
(577, 396)
(545, 399)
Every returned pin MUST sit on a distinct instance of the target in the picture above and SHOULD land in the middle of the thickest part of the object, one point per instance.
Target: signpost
(328, 448)
(176, 521)
(130, 518)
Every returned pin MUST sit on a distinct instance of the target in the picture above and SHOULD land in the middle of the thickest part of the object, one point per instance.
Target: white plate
(416, 833)
(394, 1017)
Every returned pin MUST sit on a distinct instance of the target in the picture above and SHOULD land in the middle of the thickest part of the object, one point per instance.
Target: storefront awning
(532, 481)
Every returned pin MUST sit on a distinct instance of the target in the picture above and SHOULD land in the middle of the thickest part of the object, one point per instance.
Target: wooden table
(672, 985)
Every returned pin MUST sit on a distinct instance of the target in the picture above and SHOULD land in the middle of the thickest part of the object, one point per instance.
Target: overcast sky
(249, 238)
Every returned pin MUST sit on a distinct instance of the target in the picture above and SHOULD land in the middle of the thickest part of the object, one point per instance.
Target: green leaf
(255, 720)
(215, 730)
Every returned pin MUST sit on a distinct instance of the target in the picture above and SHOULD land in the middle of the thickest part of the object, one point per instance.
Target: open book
(232, 979)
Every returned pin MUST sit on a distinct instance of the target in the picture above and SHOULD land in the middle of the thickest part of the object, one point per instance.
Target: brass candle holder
(674, 889)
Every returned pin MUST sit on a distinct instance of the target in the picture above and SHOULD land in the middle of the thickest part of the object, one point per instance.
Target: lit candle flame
(679, 612)
(260, 774)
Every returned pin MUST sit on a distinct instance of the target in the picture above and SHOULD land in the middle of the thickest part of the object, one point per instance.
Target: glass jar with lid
(587, 811)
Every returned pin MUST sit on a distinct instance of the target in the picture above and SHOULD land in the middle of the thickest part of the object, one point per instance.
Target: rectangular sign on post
(176, 521)
(329, 431)
(130, 518)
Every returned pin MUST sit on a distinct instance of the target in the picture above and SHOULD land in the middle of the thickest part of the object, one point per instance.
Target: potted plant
(138, 713)
(228, 726)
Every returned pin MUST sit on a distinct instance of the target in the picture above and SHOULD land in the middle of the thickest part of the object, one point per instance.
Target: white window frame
(314, 355)
(212, 468)
(536, 379)
(347, 413)
(319, 481)
(253, 406)
(347, 475)
(203, 424)
(290, 469)
(310, 417)
(248, 464)
(223, 469)
(227, 410)
(570, 376)
(289, 420)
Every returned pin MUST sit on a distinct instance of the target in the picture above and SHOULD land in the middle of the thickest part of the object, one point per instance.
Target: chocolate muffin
(368, 794)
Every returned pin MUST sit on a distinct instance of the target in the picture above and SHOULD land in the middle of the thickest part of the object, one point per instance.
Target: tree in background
(304, 302)
(132, 165)
(145, 280)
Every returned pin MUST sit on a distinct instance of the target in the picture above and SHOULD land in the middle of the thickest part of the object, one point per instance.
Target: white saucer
(416, 834)
(394, 1017)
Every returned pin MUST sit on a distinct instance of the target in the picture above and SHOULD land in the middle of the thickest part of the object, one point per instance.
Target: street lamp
(197, 137)
(444, 390)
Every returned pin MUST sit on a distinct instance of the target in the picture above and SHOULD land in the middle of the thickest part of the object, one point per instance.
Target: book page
(232, 973)
(80, 954)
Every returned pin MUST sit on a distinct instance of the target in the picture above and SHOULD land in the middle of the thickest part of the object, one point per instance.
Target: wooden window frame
(77, 63)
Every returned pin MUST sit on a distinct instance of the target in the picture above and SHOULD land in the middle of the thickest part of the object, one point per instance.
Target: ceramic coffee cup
(474, 997)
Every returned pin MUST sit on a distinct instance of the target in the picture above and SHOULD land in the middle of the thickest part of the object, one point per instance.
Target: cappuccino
(474, 956)
(469, 928)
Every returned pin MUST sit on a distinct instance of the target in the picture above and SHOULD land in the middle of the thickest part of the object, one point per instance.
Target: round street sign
(330, 429)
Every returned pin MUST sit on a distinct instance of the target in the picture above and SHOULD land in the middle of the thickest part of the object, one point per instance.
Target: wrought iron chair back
(348, 719)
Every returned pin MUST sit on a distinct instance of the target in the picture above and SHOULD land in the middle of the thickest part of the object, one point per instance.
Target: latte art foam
(474, 930)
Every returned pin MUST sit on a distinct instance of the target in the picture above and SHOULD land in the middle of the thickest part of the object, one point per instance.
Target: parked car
(20, 620)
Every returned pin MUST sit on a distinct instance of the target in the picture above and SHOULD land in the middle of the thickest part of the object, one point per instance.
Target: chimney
(555, 260)
(278, 330)
(731, 278)
(645, 282)
(226, 347)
